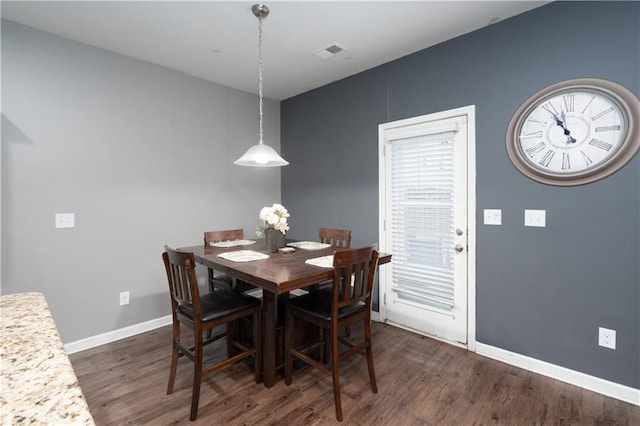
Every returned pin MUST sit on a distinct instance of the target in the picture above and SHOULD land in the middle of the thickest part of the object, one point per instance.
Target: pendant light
(260, 155)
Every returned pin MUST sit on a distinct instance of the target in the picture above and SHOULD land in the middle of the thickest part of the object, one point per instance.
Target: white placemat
(309, 245)
(231, 243)
(322, 261)
(243, 256)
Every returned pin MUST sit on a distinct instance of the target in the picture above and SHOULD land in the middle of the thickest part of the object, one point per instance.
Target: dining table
(277, 274)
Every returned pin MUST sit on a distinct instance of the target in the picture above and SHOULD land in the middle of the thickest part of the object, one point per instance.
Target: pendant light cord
(261, 154)
(260, 71)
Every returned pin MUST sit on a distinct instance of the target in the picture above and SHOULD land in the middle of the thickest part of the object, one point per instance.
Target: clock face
(574, 132)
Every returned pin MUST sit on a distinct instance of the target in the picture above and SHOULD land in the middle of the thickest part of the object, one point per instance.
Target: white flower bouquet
(274, 217)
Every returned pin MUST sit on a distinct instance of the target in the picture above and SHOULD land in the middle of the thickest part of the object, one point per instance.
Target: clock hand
(570, 139)
(561, 123)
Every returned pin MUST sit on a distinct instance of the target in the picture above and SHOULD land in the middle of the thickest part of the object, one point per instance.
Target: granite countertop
(37, 382)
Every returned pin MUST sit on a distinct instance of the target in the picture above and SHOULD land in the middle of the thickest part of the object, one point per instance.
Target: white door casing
(427, 222)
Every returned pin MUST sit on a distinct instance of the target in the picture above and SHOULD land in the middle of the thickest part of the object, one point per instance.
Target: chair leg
(174, 357)
(288, 346)
(336, 374)
(257, 344)
(211, 289)
(210, 274)
(369, 354)
(197, 375)
(232, 328)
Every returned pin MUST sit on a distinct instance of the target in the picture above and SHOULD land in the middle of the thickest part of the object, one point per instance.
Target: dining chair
(347, 302)
(338, 238)
(203, 313)
(217, 279)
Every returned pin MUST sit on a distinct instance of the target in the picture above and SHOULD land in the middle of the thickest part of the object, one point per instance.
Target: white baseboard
(595, 384)
(112, 336)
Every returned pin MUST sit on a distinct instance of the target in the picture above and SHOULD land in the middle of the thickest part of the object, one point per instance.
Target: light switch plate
(65, 220)
(537, 218)
(492, 217)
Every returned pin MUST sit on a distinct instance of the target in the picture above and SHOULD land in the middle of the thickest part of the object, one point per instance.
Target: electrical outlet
(65, 220)
(124, 298)
(537, 218)
(607, 338)
(492, 216)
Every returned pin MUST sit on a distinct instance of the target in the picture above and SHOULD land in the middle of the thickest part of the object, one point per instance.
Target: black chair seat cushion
(318, 303)
(221, 303)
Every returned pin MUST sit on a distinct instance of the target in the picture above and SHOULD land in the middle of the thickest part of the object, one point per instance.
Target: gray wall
(141, 154)
(541, 292)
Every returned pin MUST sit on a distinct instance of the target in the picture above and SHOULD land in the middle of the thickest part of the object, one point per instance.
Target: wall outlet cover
(607, 337)
(492, 216)
(536, 218)
(65, 220)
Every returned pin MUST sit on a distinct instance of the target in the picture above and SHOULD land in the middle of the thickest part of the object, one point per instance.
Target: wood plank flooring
(421, 381)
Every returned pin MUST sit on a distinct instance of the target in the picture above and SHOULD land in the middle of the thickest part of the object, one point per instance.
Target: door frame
(471, 211)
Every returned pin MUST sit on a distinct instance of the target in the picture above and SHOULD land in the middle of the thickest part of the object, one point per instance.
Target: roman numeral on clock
(601, 144)
(533, 150)
(532, 135)
(569, 102)
(608, 128)
(550, 108)
(586, 158)
(566, 164)
(605, 112)
(548, 156)
(533, 120)
(588, 103)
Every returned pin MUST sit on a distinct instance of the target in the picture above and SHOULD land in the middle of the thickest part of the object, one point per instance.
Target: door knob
(459, 248)
(459, 231)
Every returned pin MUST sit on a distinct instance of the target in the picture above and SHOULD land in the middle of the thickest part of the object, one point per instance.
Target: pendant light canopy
(260, 155)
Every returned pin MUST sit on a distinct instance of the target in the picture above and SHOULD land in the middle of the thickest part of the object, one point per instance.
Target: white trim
(470, 112)
(595, 384)
(592, 383)
(112, 336)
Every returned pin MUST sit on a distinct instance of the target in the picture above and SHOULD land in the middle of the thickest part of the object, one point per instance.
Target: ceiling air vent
(329, 51)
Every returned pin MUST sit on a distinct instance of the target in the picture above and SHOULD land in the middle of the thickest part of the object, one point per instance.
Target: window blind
(422, 218)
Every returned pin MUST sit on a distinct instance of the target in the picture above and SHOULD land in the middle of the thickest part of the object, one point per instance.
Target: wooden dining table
(277, 276)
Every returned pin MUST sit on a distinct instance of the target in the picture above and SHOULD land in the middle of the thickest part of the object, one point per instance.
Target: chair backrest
(226, 235)
(338, 238)
(183, 282)
(353, 274)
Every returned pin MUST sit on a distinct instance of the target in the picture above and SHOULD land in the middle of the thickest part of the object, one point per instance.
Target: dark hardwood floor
(421, 381)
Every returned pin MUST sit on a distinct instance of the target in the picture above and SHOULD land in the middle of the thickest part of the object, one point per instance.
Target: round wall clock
(575, 132)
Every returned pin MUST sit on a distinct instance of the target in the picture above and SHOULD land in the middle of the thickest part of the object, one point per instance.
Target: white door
(425, 222)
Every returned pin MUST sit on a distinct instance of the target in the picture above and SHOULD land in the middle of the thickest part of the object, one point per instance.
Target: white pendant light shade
(261, 155)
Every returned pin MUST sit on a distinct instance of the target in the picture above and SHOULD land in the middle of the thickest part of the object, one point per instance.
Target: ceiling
(218, 40)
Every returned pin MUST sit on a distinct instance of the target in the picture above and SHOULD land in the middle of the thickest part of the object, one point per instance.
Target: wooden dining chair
(338, 238)
(217, 279)
(347, 302)
(203, 313)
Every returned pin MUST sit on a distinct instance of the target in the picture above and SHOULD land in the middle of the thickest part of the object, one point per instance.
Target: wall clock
(575, 132)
